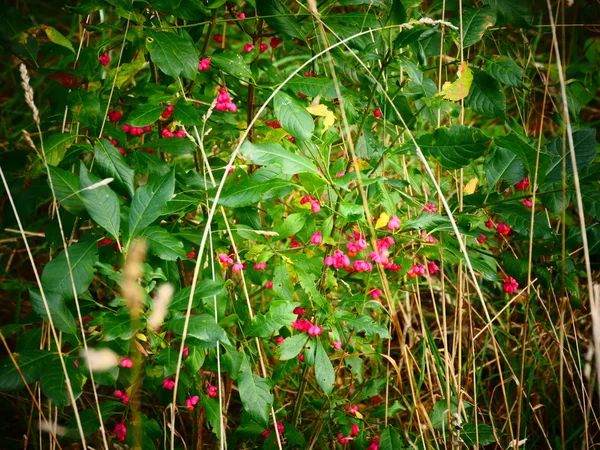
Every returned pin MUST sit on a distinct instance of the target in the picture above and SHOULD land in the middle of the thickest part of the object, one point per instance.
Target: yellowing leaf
(460, 88)
(358, 415)
(382, 221)
(471, 186)
(141, 337)
(323, 111)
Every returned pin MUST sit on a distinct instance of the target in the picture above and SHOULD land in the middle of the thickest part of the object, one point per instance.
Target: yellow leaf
(141, 337)
(358, 415)
(460, 88)
(382, 221)
(323, 111)
(471, 186)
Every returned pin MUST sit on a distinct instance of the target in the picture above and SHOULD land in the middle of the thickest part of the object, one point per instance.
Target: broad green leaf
(362, 323)
(55, 276)
(101, 202)
(208, 288)
(551, 196)
(291, 225)
(506, 71)
(585, 151)
(145, 115)
(308, 282)
(502, 164)
(255, 393)
(439, 413)
(397, 14)
(195, 358)
(31, 364)
(86, 107)
(89, 418)
(249, 191)
(232, 63)
(183, 9)
(512, 11)
(168, 358)
(282, 282)
(324, 373)
(390, 439)
(278, 16)
(62, 318)
(475, 21)
(56, 36)
(148, 203)
(66, 188)
(163, 244)
(56, 146)
(590, 195)
(486, 96)
(173, 146)
(212, 413)
(292, 346)
(481, 434)
(173, 54)
(186, 114)
(112, 165)
(454, 147)
(116, 326)
(267, 154)
(202, 327)
(519, 217)
(280, 314)
(53, 381)
(125, 71)
(526, 152)
(294, 117)
(313, 87)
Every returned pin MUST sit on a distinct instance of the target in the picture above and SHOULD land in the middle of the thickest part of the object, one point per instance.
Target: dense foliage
(273, 224)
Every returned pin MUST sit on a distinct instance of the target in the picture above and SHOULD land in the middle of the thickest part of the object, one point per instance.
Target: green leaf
(163, 244)
(117, 326)
(454, 147)
(203, 327)
(249, 192)
(66, 188)
(584, 142)
(363, 323)
(145, 115)
(125, 71)
(168, 358)
(512, 11)
(101, 202)
(173, 54)
(481, 434)
(173, 146)
(55, 276)
(398, 13)
(31, 364)
(324, 372)
(62, 318)
(526, 152)
(505, 70)
(519, 217)
(267, 154)
(278, 16)
(313, 87)
(590, 195)
(486, 96)
(148, 203)
(111, 164)
(391, 440)
(502, 164)
(293, 116)
(291, 225)
(292, 346)
(212, 413)
(309, 283)
(55, 147)
(186, 114)
(255, 393)
(53, 381)
(208, 288)
(282, 282)
(232, 63)
(195, 358)
(89, 418)
(56, 37)
(439, 413)
(280, 314)
(475, 21)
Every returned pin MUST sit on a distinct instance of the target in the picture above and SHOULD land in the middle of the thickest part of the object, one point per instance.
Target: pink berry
(264, 47)
(510, 285)
(377, 113)
(275, 42)
(126, 363)
(248, 47)
(218, 38)
(268, 284)
(503, 229)
(104, 59)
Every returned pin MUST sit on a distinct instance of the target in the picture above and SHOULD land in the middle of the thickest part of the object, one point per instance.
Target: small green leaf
(203, 327)
(163, 244)
(292, 346)
(486, 96)
(454, 147)
(116, 326)
(148, 203)
(232, 63)
(101, 202)
(112, 165)
(278, 16)
(293, 116)
(208, 288)
(145, 115)
(506, 71)
(324, 372)
(280, 314)
(267, 154)
(172, 146)
(66, 188)
(56, 36)
(480, 434)
(213, 416)
(55, 276)
(255, 393)
(391, 440)
(363, 323)
(173, 54)
(590, 195)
